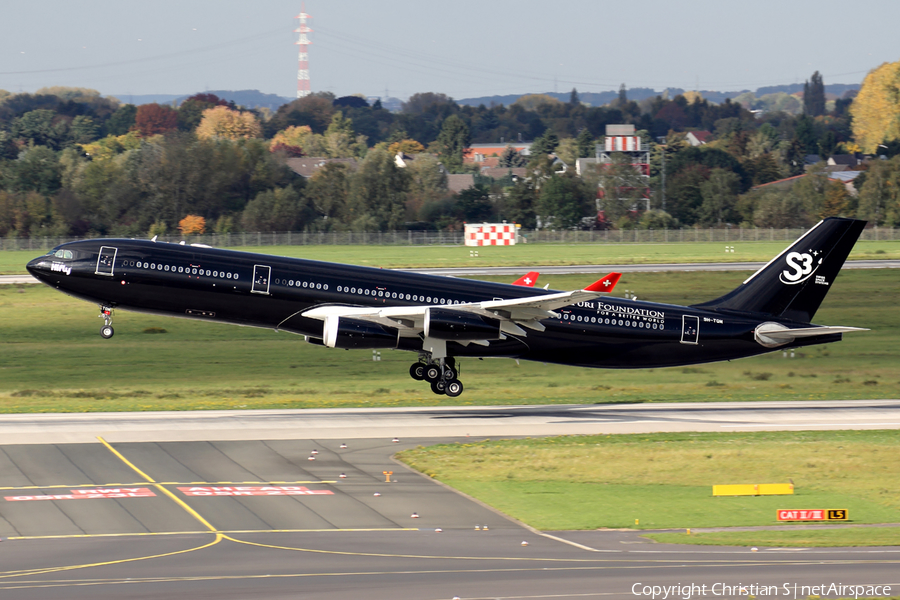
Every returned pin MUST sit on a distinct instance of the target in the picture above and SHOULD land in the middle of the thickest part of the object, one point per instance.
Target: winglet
(605, 284)
(528, 279)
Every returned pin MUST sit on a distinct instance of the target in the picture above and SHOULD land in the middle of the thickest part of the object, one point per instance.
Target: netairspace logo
(794, 591)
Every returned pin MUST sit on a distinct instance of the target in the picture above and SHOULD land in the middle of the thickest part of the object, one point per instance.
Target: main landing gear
(107, 330)
(441, 374)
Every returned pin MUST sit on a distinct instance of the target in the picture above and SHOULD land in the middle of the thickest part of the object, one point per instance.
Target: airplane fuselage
(272, 292)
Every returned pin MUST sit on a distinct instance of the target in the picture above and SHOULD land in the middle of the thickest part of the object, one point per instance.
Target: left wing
(513, 314)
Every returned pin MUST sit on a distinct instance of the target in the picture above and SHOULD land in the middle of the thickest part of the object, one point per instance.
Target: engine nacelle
(458, 325)
(343, 332)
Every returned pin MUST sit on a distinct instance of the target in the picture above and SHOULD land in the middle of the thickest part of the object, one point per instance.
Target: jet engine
(457, 325)
(342, 332)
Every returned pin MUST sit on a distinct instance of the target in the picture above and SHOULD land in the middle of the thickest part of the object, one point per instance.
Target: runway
(229, 505)
(445, 422)
(578, 269)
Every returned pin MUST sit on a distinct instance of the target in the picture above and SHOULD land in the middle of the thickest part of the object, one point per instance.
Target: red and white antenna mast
(303, 68)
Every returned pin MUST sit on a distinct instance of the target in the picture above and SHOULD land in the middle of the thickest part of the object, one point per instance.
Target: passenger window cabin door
(690, 329)
(106, 262)
(261, 276)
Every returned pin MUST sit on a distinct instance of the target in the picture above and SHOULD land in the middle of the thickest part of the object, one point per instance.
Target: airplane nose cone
(38, 266)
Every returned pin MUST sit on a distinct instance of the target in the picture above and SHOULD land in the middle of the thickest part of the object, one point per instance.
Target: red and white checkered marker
(490, 234)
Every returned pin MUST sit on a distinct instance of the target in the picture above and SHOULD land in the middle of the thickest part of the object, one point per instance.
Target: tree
(544, 145)
(622, 188)
(378, 191)
(623, 95)
(41, 127)
(510, 158)
(585, 142)
(406, 146)
(279, 209)
(153, 119)
(573, 98)
(719, 194)
(879, 195)
(562, 202)
(474, 204)
(814, 96)
(192, 225)
(121, 121)
(83, 130)
(520, 202)
(428, 183)
(327, 191)
(876, 109)
(190, 112)
(220, 122)
(837, 202)
(36, 170)
(452, 142)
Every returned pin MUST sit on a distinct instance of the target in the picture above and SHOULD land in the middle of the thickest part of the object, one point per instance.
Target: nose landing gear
(442, 374)
(107, 330)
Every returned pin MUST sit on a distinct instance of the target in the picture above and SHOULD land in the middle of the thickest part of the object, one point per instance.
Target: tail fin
(793, 284)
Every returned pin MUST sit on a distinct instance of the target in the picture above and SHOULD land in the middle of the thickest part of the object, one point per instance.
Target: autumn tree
(152, 119)
(876, 109)
(192, 225)
(190, 112)
(220, 122)
(406, 146)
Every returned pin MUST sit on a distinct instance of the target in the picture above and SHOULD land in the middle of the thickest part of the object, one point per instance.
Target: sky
(463, 49)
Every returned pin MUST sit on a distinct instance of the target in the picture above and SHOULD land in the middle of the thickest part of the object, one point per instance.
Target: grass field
(664, 481)
(53, 359)
(524, 255)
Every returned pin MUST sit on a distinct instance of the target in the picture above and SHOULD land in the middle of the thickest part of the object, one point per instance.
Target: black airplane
(443, 318)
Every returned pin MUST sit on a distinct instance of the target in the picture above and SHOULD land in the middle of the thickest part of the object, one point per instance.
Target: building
(477, 153)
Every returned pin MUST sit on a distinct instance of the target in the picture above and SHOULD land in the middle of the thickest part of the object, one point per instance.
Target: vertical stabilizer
(794, 283)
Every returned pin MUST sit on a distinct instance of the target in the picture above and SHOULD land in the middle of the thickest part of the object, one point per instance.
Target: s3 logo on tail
(800, 267)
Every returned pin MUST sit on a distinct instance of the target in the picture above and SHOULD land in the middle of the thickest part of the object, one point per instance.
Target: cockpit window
(64, 254)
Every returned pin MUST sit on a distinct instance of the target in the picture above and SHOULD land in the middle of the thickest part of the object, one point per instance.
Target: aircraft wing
(525, 312)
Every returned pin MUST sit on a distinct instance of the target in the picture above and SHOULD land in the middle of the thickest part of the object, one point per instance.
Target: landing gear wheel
(107, 331)
(432, 373)
(449, 373)
(454, 388)
(417, 371)
(439, 387)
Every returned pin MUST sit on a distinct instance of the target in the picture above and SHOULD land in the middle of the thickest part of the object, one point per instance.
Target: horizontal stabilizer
(776, 334)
